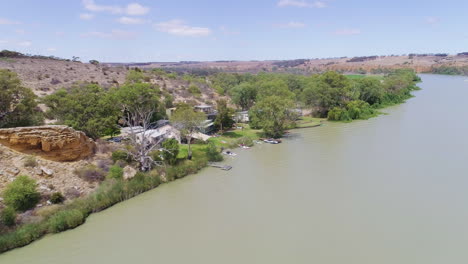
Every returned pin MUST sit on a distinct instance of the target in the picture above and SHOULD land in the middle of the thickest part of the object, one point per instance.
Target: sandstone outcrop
(57, 143)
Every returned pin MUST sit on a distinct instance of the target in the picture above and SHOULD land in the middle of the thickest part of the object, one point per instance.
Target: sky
(208, 30)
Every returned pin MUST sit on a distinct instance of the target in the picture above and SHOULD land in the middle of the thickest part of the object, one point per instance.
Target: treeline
(330, 94)
(362, 59)
(450, 70)
(14, 55)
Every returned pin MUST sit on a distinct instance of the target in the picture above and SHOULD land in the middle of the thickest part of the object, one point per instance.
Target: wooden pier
(223, 167)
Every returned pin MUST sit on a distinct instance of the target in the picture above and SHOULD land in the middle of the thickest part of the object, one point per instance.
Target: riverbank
(58, 218)
(63, 217)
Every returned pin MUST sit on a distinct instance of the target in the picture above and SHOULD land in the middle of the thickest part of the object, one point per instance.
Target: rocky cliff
(57, 143)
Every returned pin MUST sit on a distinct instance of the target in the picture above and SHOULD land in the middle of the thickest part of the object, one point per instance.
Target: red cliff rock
(57, 143)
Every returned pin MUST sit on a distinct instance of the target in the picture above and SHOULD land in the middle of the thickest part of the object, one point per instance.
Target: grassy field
(228, 139)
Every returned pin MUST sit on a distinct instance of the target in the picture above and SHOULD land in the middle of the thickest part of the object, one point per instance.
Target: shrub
(30, 161)
(193, 89)
(8, 216)
(338, 114)
(120, 155)
(115, 172)
(57, 197)
(213, 153)
(64, 220)
(90, 173)
(21, 237)
(171, 151)
(359, 110)
(21, 194)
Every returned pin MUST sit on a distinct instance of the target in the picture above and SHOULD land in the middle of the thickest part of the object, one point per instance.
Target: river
(392, 189)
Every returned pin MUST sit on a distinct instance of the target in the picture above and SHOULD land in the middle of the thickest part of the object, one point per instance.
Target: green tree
(370, 90)
(21, 194)
(188, 122)
(171, 150)
(224, 118)
(88, 108)
(338, 114)
(244, 95)
(213, 153)
(273, 114)
(18, 106)
(359, 110)
(139, 97)
(276, 87)
(328, 90)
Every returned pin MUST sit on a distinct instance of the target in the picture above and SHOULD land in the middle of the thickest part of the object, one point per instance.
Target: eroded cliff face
(57, 143)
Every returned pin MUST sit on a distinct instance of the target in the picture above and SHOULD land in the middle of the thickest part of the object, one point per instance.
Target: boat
(229, 153)
(244, 146)
(272, 141)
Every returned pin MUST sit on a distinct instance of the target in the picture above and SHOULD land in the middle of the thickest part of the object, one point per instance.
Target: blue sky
(161, 30)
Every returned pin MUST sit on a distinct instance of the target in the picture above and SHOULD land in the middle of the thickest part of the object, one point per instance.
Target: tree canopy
(18, 106)
(88, 108)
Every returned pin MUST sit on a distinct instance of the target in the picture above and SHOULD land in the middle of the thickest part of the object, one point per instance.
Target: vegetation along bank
(147, 134)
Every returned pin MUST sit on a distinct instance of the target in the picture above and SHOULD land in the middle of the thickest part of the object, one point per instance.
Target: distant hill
(46, 74)
(368, 64)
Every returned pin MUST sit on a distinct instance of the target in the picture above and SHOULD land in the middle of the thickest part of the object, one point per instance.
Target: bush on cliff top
(21, 194)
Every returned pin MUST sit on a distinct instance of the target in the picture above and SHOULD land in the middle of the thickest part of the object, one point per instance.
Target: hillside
(45, 76)
(370, 64)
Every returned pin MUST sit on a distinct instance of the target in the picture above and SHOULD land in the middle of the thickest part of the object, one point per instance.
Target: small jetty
(223, 167)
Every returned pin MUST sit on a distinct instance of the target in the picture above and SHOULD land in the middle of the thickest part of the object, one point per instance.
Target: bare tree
(138, 119)
(139, 103)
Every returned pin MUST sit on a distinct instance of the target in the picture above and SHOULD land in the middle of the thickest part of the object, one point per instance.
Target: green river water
(392, 189)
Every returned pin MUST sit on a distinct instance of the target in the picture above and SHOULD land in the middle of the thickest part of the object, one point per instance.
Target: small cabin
(207, 109)
(242, 117)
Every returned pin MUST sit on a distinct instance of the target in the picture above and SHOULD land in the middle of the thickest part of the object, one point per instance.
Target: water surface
(392, 189)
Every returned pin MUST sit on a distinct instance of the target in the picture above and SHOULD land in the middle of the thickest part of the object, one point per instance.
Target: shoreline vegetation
(272, 101)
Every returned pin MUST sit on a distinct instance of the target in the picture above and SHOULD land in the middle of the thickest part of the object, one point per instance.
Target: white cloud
(133, 9)
(25, 43)
(131, 21)
(51, 49)
(348, 32)
(2, 41)
(301, 3)
(4, 21)
(86, 16)
(114, 34)
(291, 24)
(180, 28)
(20, 31)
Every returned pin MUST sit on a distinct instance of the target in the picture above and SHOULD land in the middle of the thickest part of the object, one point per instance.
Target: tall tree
(139, 105)
(224, 118)
(244, 95)
(88, 108)
(273, 114)
(188, 122)
(18, 106)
